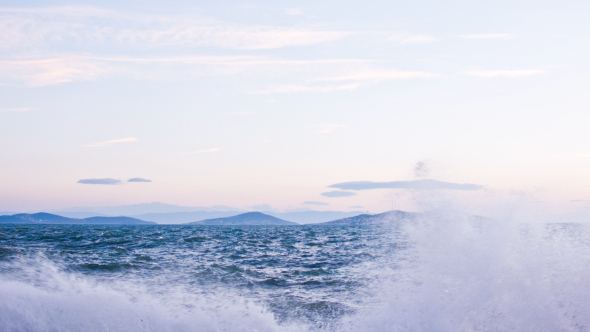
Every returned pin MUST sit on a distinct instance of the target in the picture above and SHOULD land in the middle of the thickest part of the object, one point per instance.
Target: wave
(446, 271)
(39, 295)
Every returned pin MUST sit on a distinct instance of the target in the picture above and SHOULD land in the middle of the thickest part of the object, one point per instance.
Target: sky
(332, 105)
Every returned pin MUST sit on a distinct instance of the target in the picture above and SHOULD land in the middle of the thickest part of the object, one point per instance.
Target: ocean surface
(444, 273)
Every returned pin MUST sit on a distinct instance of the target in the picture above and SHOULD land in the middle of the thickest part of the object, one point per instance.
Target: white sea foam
(475, 274)
(47, 299)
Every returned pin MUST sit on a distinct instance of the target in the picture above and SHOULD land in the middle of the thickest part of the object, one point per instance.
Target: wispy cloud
(357, 79)
(504, 73)
(338, 193)
(107, 181)
(314, 203)
(48, 27)
(205, 151)
(138, 180)
(326, 128)
(489, 36)
(28, 32)
(52, 71)
(115, 141)
(17, 109)
(41, 72)
(323, 75)
(426, 184)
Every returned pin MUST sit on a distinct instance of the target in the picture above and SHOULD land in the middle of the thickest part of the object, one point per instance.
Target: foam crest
(39, 296)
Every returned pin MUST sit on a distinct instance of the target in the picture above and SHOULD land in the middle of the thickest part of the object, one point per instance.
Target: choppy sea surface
(439, 274)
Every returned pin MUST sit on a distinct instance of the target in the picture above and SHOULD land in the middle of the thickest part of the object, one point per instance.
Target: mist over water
(466, 273)
(443, 271)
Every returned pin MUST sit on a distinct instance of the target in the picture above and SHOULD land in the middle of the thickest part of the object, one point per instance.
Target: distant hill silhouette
(249, 218)
(300, 217)
(48, 218)
(372, 219)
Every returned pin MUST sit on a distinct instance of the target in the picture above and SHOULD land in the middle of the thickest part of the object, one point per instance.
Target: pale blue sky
(244, 103)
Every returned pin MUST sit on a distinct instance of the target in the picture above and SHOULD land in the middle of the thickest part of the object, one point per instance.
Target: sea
(440, 272)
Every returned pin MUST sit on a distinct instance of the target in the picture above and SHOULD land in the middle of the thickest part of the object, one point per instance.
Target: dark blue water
(450, 275)
(308, 275)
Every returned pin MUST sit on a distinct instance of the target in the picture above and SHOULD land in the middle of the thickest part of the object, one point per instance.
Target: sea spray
(45, 298)
(182, 278)
(462, 272)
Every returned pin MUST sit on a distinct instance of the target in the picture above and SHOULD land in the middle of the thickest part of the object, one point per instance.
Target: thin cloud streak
(504, 73)
(105, 181)
(115, 141)
(43, 72)
(23, 28)
(139, 180)
(426, 184)
(28, 32)
(363, 78)
(45, 27)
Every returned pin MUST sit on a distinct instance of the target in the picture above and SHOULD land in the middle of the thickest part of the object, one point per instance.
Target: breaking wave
(442, 271)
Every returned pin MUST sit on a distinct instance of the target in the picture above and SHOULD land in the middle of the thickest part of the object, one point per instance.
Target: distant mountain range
(249, 218)
(372, 219)
(258, 218)
(48, 218)
(163, 213)
(300, 217)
